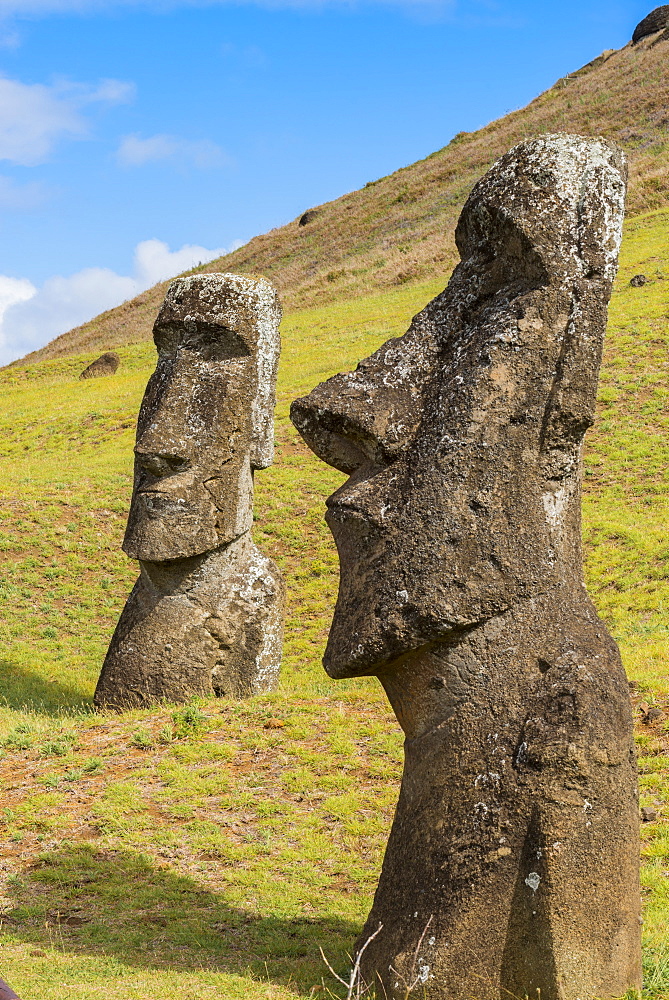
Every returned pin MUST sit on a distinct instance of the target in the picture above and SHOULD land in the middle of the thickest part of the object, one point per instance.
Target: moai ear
(562, 227)
(570, 409)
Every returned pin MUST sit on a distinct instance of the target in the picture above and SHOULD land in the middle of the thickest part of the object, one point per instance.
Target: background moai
(206, 614)
(106, 364)
(512, 864)
(657, 20)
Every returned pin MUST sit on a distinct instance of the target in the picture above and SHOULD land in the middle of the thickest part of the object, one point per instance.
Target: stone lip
(462, 437)
(657, 20)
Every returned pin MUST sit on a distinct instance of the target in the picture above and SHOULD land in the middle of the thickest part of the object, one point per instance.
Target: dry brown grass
(400, 228)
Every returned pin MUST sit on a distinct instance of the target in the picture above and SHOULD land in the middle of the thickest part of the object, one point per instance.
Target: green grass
(211, 850)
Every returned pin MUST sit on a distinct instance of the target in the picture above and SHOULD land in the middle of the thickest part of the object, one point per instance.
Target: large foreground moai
(206, 615)
(512, 864)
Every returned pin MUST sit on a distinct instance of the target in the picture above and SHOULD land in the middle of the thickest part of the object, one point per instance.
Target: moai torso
(206, 615)
(512, 864)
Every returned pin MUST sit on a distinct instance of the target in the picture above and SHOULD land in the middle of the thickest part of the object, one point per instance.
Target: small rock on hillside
(309, 216)
(106, 364)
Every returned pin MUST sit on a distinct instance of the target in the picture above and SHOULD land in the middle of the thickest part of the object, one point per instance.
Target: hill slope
(209, 852)
(399, 229)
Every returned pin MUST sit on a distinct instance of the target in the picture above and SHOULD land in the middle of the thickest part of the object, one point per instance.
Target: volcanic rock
(106, 364)
(308, 216)
(512, 867)
(657, 20)
(206, 614)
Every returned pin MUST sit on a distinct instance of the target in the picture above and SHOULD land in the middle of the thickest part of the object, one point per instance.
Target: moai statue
(206, 614)
(512, 865)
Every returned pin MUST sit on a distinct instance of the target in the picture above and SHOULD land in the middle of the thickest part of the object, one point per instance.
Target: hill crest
(399, 229)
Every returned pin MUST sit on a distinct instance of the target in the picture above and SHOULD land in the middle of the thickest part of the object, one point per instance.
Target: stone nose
(173, 424)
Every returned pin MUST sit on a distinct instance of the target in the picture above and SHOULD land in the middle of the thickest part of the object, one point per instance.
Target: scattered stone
(648, 814)
(309, 216)
(206, 614)
(106, 364)
(657, 20)
(512, 867)
(638, 280)
(67, 919)
(654, 714)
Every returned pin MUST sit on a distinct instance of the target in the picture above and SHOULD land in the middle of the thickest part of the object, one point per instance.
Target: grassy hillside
(399, 230)
(209, 851)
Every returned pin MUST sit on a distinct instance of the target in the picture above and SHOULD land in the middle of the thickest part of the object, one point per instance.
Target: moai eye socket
(209, 341)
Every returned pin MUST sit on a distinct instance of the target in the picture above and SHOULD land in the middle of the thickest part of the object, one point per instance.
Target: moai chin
(512, 864)
(206, 614)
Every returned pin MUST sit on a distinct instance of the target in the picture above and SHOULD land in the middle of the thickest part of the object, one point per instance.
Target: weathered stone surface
(206, 615)
(512, 864)
(211, 623)
(657, 20)
(106, 364)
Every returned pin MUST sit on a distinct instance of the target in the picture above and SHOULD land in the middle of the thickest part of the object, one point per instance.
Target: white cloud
(33, 116)
(110, 91)
(13, 291)
(135, 151)
(30, 317)
(154, 261)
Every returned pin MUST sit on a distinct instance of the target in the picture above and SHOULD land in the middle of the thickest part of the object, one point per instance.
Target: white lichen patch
(533, 881)
(555, 505)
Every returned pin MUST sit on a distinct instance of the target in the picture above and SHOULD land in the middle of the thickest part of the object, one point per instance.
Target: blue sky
(138, 137)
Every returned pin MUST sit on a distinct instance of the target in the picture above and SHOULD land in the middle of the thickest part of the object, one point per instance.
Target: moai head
(206, 421)
(462, 439)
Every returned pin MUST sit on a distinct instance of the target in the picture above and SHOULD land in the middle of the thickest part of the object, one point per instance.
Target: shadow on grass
(94, 901)
(25, 690)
